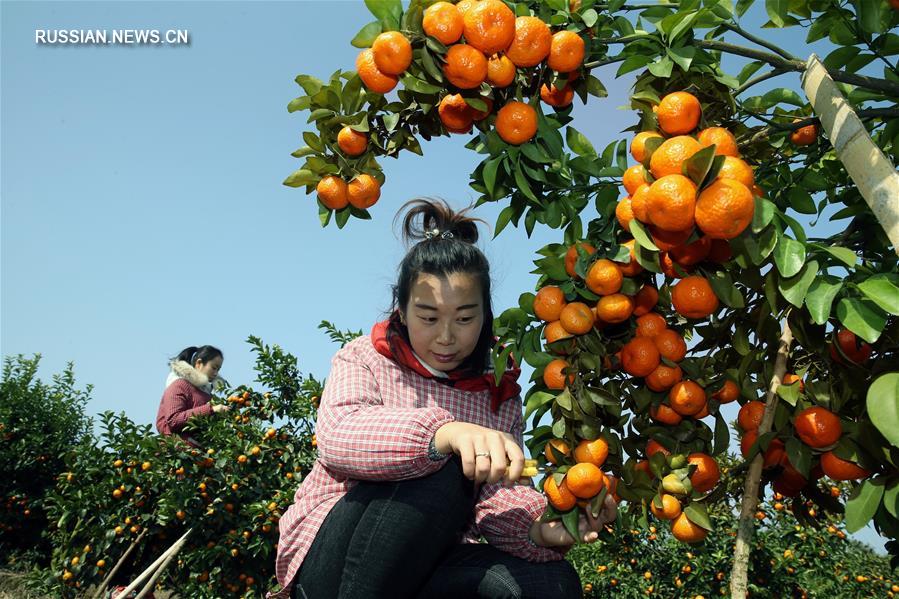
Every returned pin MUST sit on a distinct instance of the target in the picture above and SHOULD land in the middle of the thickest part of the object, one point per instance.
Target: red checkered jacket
(375, 422)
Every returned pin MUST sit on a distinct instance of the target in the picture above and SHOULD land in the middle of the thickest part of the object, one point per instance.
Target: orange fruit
(707, 473)
(724, 141)
(661, 379)
(669, 158)
(624, 213)
(566, 52)
(724, 209)
(548, 303)
(737, 169)
(687, 398)
(633, 178)
(577, 318)
(671, 202)
(691, 253)
(571, 256)
(557, 97)
(720, 252)
(750, 416)
(671, 345)
(678, 113)
(352, 142)
(839, 469)
(500, 71)
(531, 43)
(516, 122)
(727, 393)
(363, 191)
(489, 26)
(455, 113)
(639, 203)
(650, 325)
(790, 378)
(639, 356)
(604, 277)
(466, 67)
(375, 79)
(818, 427)
(668, 240)
(670, 508)
(392, 52)
(638, 149)
(631, 268)
(686, 531)
(857, 352)
(480, 115)
(653, 447)
(554, 376)
(559, 496)
(645, 300)
(561, 449)
(692, 297)
(554, 331)
(592, 452)
(332, 192)
(585, 480)
(444, 22)
(613, 308)
(804, 136)
(463, 6)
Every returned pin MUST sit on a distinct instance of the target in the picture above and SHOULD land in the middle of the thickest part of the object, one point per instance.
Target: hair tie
(437, 233)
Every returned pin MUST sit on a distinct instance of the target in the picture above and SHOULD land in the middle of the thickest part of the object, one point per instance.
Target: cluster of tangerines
(485, 44)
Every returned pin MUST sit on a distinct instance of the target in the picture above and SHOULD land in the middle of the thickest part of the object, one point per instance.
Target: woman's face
(210, 368)
(444, 318)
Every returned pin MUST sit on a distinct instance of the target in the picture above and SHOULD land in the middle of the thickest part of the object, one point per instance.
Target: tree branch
(769, 75)
(765, 44)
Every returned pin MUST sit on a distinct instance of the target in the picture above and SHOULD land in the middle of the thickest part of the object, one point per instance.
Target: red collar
(389, 341)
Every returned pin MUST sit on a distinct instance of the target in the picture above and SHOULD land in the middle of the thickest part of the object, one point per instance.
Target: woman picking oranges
(420, 451)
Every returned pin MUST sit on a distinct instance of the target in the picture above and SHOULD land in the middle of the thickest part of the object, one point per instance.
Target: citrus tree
(124, 497)
(699, 274)
(40, 424)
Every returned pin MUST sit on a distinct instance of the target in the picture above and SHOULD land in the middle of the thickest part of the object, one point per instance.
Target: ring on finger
(482, 454)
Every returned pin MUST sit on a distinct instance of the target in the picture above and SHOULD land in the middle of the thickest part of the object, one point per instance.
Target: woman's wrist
(535, 534)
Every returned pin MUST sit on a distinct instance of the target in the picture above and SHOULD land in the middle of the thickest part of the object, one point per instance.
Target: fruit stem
(746, 524)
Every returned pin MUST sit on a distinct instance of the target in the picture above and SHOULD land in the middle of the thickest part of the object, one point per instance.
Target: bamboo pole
(151, 569)
(746, 526)
(152, 582)
(870, 170)
(102, 588)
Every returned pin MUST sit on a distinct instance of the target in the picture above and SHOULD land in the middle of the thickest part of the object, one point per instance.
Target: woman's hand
(485, 453)
(553, 534)
(218, 408)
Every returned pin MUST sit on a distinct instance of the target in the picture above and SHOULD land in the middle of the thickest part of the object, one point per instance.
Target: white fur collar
(183, 370)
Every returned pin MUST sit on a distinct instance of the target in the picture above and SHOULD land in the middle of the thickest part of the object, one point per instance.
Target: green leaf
(490, 168)
(596, 88)
(764, 213)
(794, 288)
(782, 95)
(388, 12)
(301, 177)
(417, 85)
(844, 255)
(366, 36)
(579, 143)
(310, 84)
(697, 166)
(789, 256)
(682, 56)
(790, 394)
(724, 288)
(301, 103)
(570, 519)
(521, 180)
(863, 504)
(819, 298)
(883, 290)
(801, 201)
(661, 68)
(642, 237)
(883, 406)
(862, 317)
(777, 11)
(589, 17)
(502, 220)
(871, 15)
(698, 514)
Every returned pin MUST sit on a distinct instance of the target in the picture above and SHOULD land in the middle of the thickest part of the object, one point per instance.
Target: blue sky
(142, 205)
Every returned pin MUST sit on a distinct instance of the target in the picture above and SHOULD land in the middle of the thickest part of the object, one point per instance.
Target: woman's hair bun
(432, 219)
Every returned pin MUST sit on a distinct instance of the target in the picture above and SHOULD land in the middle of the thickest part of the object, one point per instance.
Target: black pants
(401, 539)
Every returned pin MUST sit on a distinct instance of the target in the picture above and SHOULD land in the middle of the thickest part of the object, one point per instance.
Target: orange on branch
(577, 318)
(604, 277)
(444, 22)
(839, 469)
(489, 26)
(707, 473)
(557, 97)
(790, 378)
(624, 213)
(363, 191)
(671, 345)
(750, 416)
(738, 170)
(639, 356)
(554, 376)
(631, 268)
(671, 269)
(571, 256)
(392, 52)
(818, 427)
(559, 496)
(500, 71)
(332, 192)
(669, 510)
(724, 141)
(614, 308)
(691, 253)
(585, 480)
(638, 145)
(671, 203)
(669, 158)
(650, 325)
(372, 77)
(857, 351)
(561, 449)
(728, 392)
(668, 240)
(516, 122)
(352, 142)
(693, 297)
(592, 452)
(645, 300)
(466, 67)
(686, 531)
(455, 113)
(720, 251)
(554, 331)
(566, 52)
(633, 178)
(724, 209)
(639, 203)
(662, 379)
(687, 398)
(804, 136)
(653, 447)
(548, 303)
(531, 43)
(678, 113)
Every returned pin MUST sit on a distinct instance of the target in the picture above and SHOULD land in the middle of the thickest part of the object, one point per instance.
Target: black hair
(443, 243)
(204, 353)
